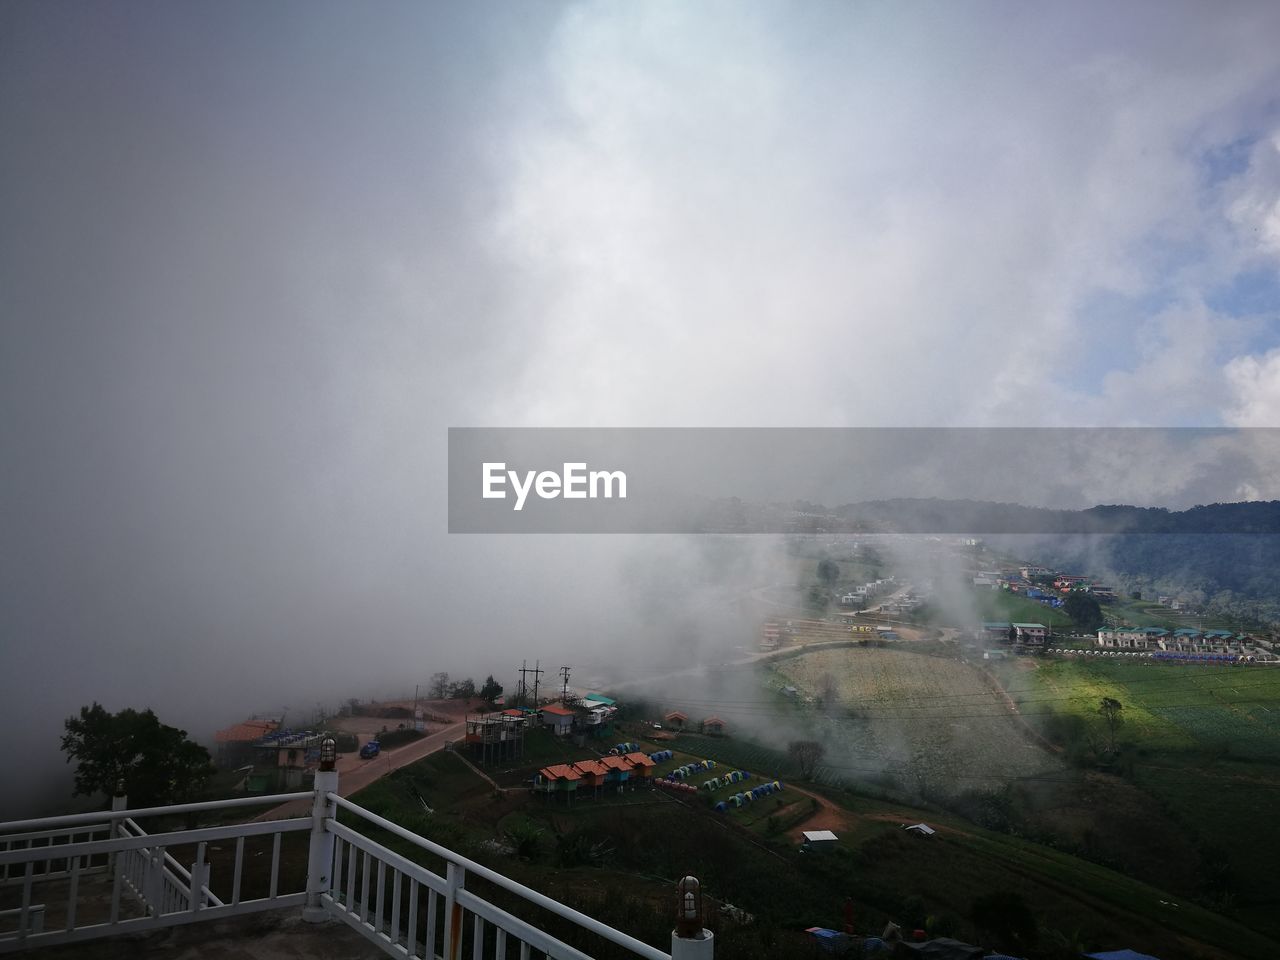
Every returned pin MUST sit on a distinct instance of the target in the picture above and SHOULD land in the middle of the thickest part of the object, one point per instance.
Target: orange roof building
(592, 772)
(619, 768)
(641, 765)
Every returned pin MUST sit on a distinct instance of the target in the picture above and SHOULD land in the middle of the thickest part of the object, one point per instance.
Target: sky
(255, 260)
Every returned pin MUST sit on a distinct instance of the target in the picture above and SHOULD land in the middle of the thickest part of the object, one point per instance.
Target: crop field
(917, 721)
(1166, 706)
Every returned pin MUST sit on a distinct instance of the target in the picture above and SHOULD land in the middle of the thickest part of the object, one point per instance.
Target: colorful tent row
(689, 769)
(622, 749)
(660, 756)
(741, 799)
(733, 776)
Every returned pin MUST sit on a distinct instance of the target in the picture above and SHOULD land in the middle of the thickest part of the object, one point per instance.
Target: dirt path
(827, 817)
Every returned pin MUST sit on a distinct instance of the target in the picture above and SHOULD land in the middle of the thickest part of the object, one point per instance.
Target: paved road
(356, 774)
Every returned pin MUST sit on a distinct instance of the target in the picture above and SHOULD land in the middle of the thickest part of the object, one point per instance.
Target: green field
(1167, 707)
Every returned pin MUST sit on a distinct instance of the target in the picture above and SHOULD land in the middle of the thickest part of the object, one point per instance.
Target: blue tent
(1125, 954)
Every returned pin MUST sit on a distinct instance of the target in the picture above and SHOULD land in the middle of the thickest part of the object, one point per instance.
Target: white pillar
(701, 948)
(320, 856)
(119, 803)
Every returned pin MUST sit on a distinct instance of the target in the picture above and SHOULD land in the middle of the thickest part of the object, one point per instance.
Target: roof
(816, 835)
(557, 711)
(924, 828)
(600, 698)
(639, 760)
(1030, 626)
(995, 624)
(513, 713)
(674, 715)
(593, 768)
(246, 732)
(560, 771)
(616, 763)
(714, 720)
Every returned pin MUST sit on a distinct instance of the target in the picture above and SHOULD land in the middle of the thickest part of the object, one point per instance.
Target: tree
(463, 689)
(1111, 709)
(1084, 611)
(491, 690)
(439, 686)
(807, 754)
(828, 571)
(154, 763)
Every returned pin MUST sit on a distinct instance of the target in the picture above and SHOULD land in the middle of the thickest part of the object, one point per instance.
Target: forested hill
(1224, 557)
(984, 517)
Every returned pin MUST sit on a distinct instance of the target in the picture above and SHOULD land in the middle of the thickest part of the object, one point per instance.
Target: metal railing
(414, 913)
(101, 874)
(88, 876)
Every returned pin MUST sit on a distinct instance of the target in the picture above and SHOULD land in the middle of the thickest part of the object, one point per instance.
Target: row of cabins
(566, 779)
(1027, 634)
(1183, 640)
(680, 721)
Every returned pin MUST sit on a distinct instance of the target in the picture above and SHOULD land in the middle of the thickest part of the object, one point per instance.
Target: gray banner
(933, 480)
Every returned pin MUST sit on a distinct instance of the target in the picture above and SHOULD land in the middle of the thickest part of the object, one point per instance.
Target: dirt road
(355, 774)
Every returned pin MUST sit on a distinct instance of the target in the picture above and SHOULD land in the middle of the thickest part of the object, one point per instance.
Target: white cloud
(1254, 382)
(867, 217)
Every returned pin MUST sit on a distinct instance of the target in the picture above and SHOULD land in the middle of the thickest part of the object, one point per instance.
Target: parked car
(370, 750)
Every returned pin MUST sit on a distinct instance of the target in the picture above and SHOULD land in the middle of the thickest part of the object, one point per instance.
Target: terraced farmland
(920, 722)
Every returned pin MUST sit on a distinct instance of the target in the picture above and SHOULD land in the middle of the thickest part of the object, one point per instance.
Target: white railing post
(119, 803)
(455, 880)
(320, 856)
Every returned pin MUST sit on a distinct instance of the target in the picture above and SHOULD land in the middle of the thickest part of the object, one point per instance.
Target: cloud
(1254, 383)
(864, 216)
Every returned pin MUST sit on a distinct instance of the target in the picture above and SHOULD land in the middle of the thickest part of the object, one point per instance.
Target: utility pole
(537, 672)
(524, 689)
(564, 689)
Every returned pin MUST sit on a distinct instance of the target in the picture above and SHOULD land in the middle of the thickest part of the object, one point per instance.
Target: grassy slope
(1000, 605)
(650, 836)
(1206, 742)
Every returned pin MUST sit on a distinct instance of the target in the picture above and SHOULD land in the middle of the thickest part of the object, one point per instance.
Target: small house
(592, 772)
(714, 726)
(619, 770)
(641, 765)
(819, 839)
(559, 778)
(675, 719)
(558, 719)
